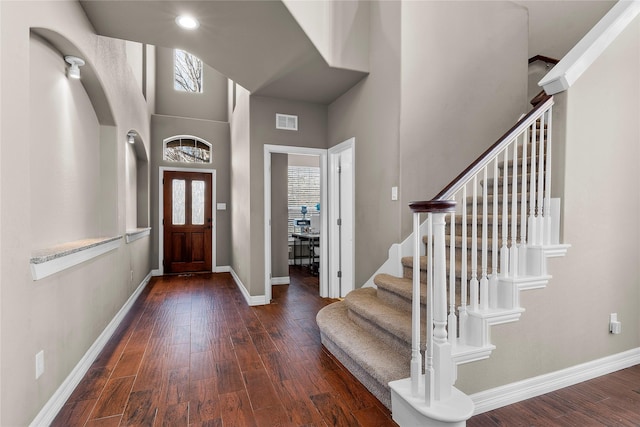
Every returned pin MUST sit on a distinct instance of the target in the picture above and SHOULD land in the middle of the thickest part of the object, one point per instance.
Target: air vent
(286, 122)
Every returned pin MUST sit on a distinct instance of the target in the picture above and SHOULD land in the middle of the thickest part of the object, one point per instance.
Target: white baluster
(416, 357)
(429, 370)
(473, 284)
(541, 153)
(493, 280)
(453, 319)
(523, 204)
(484, 280)
(532, 190)
(513, 250)
(504, 251)
(547, 183)
(443, 365)
(463, 267)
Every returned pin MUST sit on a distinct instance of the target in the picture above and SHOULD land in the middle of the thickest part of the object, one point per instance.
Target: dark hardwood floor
(610, 400)
(192, 353)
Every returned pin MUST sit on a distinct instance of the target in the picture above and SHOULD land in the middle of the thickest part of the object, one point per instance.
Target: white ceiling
(255, 43)
(261, 46)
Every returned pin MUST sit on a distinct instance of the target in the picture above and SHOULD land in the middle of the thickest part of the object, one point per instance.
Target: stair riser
(395, 300)
(399, 344)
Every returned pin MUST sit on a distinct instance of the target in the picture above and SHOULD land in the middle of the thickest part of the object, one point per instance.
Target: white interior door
(342, 207)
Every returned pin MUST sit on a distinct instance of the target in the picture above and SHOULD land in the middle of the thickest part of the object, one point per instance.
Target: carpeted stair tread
(397, 291)
(400, 286)
(367, 357)
(365, 303)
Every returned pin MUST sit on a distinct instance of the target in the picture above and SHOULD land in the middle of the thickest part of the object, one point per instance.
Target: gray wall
(567, 323)
(454, 111)
(216, 133)
(279, 216)
(312, 133)
(370, 112)
(241, 255)
(211, 104)
(65, 313)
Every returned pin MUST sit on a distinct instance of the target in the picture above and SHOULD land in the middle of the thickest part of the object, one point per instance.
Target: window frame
(180, 88)
(166, 141)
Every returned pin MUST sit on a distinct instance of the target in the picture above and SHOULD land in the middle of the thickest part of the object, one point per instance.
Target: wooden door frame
(324, 248)
(161, 172)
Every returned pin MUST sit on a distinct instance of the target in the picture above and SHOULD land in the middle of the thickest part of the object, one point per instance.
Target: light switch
(394, 193)
(221, 206)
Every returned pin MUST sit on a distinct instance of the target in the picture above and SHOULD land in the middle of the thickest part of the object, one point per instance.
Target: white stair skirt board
(515, 392)
(251, 300)
(49, 411)
(409, 411)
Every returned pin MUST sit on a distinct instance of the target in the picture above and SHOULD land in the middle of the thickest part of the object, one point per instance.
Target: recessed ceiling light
(187, 22)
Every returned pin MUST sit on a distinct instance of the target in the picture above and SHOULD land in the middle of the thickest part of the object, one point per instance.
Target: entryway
(188, 221)
(336, 231)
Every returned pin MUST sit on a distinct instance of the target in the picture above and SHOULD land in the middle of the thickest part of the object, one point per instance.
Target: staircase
(486, 237)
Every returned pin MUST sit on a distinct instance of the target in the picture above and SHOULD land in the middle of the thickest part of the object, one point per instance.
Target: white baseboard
(251, 300)
(280, 280)
(156, 272)
(49, 411)
(222, 269)
(515, 392)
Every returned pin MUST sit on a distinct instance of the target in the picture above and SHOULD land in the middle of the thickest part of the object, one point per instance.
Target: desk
(312, 240)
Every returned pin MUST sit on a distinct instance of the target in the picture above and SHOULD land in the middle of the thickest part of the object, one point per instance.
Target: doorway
(188, 236)
(322, 238)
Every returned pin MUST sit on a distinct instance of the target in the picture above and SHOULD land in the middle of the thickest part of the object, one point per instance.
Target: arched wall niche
(73, 147)
(137, 183)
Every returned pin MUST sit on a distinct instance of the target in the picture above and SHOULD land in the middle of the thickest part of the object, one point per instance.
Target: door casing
(324, 249)
(342, 250)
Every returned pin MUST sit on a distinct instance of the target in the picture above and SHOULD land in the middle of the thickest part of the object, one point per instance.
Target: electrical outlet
(131, 276)
(394, 193)
(39, 364)
(615, 326)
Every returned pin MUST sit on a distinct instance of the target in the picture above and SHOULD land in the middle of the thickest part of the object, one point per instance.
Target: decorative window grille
(187, 72)
(187, 149)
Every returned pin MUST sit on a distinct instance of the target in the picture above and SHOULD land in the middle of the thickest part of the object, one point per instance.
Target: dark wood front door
(187, 221)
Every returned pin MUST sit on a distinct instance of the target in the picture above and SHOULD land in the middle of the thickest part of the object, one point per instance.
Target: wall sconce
(131, 137)
(75, 64)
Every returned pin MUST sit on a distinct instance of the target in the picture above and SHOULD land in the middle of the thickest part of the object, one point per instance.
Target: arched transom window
(187, 149)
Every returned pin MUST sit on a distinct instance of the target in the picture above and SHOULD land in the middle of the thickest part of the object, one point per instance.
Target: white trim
(56, 262)
(139, 233)
(334, 259)
(214, 212)
(222, 269)
(587, 50)
(49, 411)
(285, 280)
(324, 249)
(515, 392)
(251, 300)
(156, 272)
(195, 138)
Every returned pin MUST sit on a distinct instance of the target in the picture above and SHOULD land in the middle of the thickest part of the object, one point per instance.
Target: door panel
(187, 222)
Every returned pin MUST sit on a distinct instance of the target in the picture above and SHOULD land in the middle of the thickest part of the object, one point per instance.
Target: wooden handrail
(436, 204)
(433, 206)
(543, 58)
